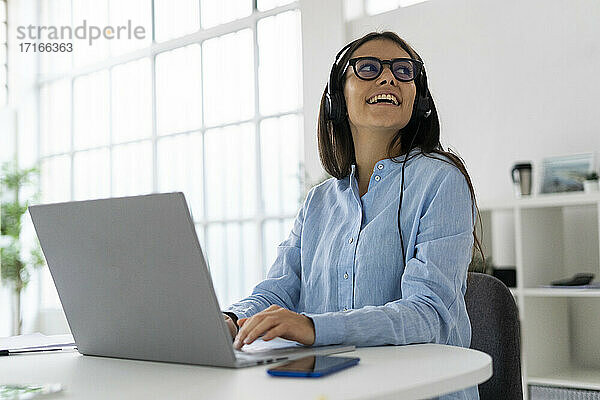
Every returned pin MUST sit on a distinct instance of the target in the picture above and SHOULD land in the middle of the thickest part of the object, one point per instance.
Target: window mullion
(110, 130)
(259, 199)
(153, 111)
(154, 133)
(204, 225)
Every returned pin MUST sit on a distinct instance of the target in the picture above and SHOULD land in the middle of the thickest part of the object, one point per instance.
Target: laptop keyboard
(275, 348)
(261, 346)
(266, 357)
(274, 352)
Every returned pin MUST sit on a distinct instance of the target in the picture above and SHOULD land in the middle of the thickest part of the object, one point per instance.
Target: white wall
(512, 80)
(323, 34)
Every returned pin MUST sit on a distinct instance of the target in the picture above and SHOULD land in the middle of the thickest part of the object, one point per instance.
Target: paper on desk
(35, 341)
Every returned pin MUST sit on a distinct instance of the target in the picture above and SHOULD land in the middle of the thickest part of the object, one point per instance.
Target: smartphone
(313, 366)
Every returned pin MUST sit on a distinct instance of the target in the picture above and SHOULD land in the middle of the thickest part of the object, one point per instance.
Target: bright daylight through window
(215, 113)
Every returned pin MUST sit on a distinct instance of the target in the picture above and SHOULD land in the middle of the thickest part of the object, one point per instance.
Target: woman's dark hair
(336, 147)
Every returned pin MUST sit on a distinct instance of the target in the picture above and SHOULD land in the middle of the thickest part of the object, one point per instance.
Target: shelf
(541, 200)
(557, 242)
(576, 377)
(549, 292)
(559, 199)
(496, 204)
(548, 237)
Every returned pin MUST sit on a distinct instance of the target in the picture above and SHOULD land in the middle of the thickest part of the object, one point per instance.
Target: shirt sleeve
(431, 283)
(282, 285)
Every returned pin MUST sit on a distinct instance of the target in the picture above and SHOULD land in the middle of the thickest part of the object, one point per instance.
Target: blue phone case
(315, 374)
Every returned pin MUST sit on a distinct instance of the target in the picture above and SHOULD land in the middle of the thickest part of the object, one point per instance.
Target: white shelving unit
(553, 236)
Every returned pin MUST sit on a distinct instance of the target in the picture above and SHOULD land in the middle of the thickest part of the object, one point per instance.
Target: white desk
(406, 372)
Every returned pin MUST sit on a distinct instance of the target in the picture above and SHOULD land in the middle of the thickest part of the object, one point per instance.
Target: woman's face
(378, 116)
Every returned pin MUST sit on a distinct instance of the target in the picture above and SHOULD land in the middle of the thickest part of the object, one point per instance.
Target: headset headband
(337, 57)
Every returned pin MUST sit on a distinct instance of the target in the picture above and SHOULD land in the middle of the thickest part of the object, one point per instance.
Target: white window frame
(151, 52)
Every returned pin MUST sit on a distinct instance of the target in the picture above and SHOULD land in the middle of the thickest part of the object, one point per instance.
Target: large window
(210, 104)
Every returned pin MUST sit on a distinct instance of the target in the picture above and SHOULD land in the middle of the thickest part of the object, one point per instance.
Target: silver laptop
(134, 283)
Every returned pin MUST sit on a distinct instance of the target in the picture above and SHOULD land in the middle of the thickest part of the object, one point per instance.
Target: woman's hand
(275, 322)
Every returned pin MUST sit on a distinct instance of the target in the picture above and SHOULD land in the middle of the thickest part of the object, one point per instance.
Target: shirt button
(377, 178)
(380, 166)
(346, 275)
(350, 240)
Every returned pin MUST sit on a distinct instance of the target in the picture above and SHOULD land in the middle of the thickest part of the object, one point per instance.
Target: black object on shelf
(508, 276)
(576, 280)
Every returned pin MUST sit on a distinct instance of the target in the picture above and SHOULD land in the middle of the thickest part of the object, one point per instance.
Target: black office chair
(496, 331)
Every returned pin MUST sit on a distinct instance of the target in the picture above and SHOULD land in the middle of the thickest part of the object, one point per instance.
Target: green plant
(592, 176)
(14, 269)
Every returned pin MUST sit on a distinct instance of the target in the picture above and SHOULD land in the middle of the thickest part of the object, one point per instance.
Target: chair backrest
(496, 331)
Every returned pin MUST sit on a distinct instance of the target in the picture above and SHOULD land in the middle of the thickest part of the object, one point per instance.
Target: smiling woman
(345, 274)
(373, 122)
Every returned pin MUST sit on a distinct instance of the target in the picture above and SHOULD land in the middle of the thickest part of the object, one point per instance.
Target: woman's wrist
(234, 318)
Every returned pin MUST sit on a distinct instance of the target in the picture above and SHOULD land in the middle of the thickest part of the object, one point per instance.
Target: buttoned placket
(378, 170)
(346, 272)
(346, 265)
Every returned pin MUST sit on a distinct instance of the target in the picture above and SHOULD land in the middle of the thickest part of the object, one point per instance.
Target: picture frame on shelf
(566, 173)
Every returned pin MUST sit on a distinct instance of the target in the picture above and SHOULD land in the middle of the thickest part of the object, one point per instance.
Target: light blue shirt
(341, 264)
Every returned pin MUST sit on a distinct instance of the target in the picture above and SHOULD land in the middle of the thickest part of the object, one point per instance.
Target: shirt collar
(387, 163)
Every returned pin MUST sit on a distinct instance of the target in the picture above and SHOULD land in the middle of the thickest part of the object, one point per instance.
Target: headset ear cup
(334, 107)
(328, 106)
(423, 107)
(338, 108)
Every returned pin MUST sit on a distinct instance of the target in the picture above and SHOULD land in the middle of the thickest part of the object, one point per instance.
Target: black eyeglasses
(369, 68)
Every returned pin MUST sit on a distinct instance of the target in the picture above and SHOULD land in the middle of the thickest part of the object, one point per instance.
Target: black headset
(335, 107)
